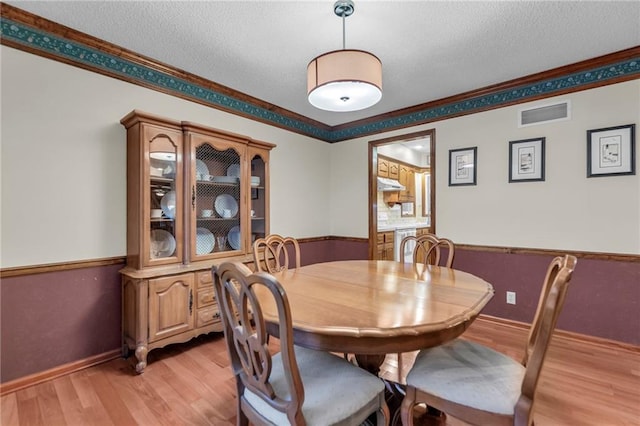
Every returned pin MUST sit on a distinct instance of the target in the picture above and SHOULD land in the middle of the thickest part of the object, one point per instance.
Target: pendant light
(344, 80)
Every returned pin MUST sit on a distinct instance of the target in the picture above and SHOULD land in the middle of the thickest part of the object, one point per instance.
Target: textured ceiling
(429, 49)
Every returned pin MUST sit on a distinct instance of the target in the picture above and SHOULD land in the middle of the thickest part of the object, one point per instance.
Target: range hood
(385, 184)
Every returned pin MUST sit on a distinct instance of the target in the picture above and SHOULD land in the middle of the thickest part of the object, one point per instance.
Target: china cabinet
(196, 196)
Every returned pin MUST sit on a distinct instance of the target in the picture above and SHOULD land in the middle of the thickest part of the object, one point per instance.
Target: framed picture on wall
(462, 166)
(526, 160)
(611, 151)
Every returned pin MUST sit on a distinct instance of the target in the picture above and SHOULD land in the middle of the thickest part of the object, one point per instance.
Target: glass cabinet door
(217, 209)
(163, 207)
(258, 197)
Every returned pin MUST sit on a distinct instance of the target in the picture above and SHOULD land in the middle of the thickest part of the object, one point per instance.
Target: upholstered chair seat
(469, 374)
(296, 386)
(481, 386)
(335, 393)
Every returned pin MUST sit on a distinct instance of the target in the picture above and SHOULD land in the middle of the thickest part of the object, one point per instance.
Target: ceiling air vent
(544, 114)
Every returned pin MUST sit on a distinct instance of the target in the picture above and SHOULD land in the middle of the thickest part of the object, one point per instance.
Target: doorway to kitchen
(401, 190)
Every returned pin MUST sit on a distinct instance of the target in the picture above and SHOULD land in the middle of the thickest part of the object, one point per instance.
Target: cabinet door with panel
(154, 191)
(411, 184)
(171, 306)
(407, 178)
(217, 207)
(258, 154)
(385, 246)
(394, 170)
(383, 167)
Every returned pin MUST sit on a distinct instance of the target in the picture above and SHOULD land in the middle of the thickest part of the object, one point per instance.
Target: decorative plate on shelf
(234, 238)
(226, 202)
(168, 204)
(169, 171)
(205, 242)
(163, 244)
(234, 170)
(201, 170)
(224, 179)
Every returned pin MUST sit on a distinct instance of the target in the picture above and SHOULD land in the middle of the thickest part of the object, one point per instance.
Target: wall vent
(544, 114)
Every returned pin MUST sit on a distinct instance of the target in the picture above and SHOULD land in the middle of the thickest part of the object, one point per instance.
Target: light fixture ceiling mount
(344, 80)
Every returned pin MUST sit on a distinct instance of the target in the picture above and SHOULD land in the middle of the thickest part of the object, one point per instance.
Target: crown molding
(31, 33)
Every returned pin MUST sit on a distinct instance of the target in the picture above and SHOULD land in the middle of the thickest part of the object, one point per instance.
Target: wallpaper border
(69, 46)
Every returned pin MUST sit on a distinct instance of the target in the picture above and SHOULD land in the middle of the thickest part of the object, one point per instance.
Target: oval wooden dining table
(374, 307)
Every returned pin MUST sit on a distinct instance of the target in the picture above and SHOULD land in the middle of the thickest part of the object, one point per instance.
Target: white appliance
(386, 184)
(400, 234)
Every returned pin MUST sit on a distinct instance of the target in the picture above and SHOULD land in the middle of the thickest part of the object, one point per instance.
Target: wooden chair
(428, 249)
(296, 386)
(271, 254)
(484, 387)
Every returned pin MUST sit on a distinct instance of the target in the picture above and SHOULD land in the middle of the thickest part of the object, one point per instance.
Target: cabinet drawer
(208, 315)
(380, 238)
(204, 279)
(388, 237)
(206, 297)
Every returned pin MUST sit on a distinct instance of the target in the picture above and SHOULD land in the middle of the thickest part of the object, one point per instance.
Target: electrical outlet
(511, 297)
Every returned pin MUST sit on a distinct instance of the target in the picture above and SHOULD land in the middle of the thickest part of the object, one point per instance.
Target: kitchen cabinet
(407, 178)
(384, 249)
(196, 196)
(383, 167)
(394, 170)
(420, 232)
(388, 168)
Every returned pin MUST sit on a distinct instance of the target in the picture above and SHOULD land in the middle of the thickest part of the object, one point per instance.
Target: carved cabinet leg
(141, 356)
(125, 351)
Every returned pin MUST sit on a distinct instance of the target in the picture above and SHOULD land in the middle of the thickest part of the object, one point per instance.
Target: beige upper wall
(63, 171)
(63, 162)
(566, 211)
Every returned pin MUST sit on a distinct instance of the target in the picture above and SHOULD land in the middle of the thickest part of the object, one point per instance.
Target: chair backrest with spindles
(246, 338)
(273, 253)
(428, 249)
(552, 296)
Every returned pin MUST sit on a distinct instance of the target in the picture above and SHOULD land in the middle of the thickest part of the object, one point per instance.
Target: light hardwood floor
(191, 384)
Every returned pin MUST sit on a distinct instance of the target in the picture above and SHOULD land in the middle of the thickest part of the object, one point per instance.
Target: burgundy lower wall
(328, 250)
(51, 319)
(603, 299)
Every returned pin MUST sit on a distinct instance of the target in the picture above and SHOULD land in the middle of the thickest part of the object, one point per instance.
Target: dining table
(374, 307)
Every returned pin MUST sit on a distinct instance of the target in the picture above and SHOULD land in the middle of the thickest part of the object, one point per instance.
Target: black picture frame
(526, 160)
(463, 168)
(611, 151)
(254, 193)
